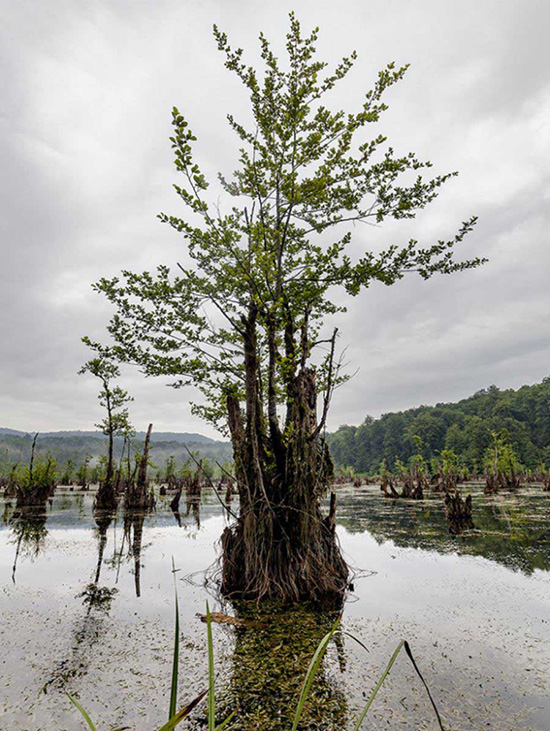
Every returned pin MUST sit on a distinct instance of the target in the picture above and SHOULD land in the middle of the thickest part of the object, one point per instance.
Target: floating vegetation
(312, 709)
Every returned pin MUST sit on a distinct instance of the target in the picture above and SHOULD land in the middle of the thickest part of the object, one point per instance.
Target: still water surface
(89, 610)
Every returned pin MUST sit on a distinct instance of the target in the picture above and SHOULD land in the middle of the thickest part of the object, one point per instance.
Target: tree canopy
(466, 427)
(276, 255)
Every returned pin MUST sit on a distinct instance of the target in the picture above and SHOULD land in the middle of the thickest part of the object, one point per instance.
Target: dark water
(89, 609)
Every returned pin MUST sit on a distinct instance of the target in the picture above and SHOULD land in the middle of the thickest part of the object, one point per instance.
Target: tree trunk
(137, 495)
(281, 546)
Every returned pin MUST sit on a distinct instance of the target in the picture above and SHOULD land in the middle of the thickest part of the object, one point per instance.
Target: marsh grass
(177, 717)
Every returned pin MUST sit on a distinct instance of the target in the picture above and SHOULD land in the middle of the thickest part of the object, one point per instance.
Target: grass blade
(378, 686)
(312, 669)
(353, 637)
(175, 661)
(415, 666)
(211, 696)
(211, 681)
(223, 724)
(183, 713)
(76, 704)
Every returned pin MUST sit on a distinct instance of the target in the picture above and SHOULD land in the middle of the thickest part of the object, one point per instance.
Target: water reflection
(133, 535)
(28, 525)
(193, 500)
(94, 595)
(193, 506)
(89, 628)
(175, 506)
(512, 529)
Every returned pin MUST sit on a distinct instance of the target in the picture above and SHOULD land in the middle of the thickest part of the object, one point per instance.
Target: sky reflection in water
(91, 612)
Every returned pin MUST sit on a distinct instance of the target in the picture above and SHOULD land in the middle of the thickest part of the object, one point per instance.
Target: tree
(501, 463)
(247, 321)
(112, 398)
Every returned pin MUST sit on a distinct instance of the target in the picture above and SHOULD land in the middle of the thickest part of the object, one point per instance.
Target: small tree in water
(502, 464)
(116, 422)
(244, 322)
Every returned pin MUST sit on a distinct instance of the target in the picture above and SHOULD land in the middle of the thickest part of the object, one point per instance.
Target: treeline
(71, 453)
(91, 471)
(465, 427)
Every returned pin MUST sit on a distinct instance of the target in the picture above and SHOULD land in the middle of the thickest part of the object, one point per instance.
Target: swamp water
(89, 609)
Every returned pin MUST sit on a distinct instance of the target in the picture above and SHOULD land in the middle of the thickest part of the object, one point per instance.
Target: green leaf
(211, 690)
(82, 711)
(223, 724)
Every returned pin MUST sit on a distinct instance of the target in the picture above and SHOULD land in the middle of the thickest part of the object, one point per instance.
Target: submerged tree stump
(496, 481)
(412, 491)
(137, 494)
(281, 546)
(458, 512)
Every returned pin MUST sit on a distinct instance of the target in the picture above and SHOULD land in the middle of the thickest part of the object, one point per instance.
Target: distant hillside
(15, 446)
(465, 427)
(160, 436)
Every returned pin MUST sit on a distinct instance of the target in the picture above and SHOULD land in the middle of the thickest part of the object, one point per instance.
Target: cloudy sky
(85, 166)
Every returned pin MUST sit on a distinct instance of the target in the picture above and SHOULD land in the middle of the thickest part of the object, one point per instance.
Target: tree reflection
(28, 525)
(273, 648)
(133, 535)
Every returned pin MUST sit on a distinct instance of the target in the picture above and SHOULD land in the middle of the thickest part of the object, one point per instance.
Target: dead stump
(458, 512)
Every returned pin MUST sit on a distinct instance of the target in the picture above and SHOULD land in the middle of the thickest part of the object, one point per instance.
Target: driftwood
(221, 618)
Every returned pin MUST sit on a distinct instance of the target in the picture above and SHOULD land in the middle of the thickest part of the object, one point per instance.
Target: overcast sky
(85, 166)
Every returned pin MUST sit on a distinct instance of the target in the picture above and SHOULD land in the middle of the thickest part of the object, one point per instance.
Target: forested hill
(15, 447)
(465, 427)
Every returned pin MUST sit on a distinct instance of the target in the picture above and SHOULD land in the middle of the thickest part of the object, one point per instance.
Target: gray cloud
(86, 166)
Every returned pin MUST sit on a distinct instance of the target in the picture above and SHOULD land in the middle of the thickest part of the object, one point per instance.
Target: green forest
(70, 452)
(466, 427)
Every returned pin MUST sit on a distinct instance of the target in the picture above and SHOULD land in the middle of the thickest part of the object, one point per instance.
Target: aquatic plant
(176, 717)
(309, 172)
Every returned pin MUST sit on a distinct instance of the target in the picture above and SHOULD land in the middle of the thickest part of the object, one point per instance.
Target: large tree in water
(246, 321)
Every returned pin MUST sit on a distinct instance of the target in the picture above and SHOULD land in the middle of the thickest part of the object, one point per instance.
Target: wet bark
(281, 545)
